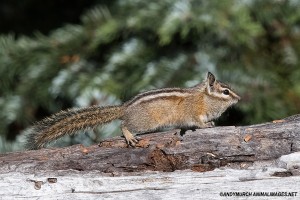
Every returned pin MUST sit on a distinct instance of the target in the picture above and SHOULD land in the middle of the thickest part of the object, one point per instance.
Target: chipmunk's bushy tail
(70, 121)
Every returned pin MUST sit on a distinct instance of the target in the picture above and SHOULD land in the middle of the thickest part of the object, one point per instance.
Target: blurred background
(60, 54)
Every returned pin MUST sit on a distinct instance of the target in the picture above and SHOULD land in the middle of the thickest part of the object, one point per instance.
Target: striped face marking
(222, 91)
(211, 87)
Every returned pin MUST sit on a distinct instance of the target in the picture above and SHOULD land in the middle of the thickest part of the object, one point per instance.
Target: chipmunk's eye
(226, 92)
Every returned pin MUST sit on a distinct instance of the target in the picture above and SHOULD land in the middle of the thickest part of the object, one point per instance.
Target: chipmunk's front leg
(209, 124)
(202, 124)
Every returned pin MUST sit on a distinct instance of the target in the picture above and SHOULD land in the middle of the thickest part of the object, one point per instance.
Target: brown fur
(69, 122)
(148, 111)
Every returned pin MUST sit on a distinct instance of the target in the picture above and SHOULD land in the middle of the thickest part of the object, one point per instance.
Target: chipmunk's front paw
(209, 124)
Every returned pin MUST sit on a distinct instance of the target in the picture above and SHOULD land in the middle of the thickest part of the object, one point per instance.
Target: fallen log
(200, 150)
(182, 184)
(244, 161)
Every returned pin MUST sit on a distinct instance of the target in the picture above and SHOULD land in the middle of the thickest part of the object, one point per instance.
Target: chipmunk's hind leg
(130, 139)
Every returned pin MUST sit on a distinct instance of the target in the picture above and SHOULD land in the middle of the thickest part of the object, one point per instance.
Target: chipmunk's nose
(237, 97)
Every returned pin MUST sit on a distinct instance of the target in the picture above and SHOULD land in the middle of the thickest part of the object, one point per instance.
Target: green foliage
(139, 45)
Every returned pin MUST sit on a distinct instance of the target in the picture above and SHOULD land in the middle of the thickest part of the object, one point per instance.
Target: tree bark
(252, 160)
(200, 150)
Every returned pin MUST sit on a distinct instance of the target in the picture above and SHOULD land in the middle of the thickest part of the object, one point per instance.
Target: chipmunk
(169, 107)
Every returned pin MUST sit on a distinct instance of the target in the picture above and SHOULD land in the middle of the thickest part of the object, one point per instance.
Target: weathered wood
(71, 185)
(201, 150)
(249, 160)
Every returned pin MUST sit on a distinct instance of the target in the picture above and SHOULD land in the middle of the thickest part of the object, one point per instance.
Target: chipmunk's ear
(210, 79)
(210, 82)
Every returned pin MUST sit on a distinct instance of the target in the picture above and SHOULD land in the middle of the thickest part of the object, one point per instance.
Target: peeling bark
(248, 159)
(200, 150)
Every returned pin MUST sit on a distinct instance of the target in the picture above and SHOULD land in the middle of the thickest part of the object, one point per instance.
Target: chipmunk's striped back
(148, 111)
(158, 93)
